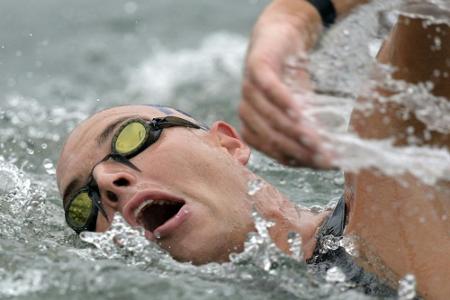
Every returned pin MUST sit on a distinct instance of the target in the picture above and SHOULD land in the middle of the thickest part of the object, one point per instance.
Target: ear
(229, 139)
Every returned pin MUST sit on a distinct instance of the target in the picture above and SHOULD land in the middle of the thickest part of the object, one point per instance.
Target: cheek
(102, 224)
(197, 170)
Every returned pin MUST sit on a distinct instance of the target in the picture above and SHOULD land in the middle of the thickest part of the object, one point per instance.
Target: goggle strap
(98, 204)
(123, 160)
(172, 121)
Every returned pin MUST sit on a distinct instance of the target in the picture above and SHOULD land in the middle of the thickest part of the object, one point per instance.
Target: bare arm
(343, 7)
(402, 224)
(270, 117)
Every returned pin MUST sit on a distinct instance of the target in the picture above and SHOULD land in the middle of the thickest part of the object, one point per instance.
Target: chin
(197, 253)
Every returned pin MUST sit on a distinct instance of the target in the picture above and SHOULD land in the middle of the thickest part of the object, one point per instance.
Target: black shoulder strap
(336, 222)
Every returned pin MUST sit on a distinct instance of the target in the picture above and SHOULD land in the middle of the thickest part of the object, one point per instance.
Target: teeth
(150, 202)
(141, 207)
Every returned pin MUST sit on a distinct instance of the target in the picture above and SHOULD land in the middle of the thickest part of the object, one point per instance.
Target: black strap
(326, 10)
(335, 224)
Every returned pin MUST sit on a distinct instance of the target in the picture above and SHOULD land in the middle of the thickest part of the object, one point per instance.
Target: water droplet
(348, 243)
(329, 242)
(436, 73)
(295, 245)
(407, 287)
(48, 166)
(437, 43)
(339, 181)
(157, 234)
(335, 274)
(246, 276)
(254, 186)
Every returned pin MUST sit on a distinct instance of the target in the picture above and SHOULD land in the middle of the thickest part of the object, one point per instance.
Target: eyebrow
(69, 190)
(101, 139)
(106, 133)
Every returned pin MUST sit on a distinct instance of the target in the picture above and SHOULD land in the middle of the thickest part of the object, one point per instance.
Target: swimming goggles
(131, 138)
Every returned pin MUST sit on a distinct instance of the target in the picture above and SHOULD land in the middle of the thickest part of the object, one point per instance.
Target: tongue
(155, 215)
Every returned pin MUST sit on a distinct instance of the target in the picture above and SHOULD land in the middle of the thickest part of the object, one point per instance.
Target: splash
(432, 11)
(407, 287)
(295, 245)
(329, 109)
(428, 164)
(254, 186)
(205, 64)
(334, 274)
(121, 241)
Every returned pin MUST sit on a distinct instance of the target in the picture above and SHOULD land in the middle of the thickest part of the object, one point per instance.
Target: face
(189, 192)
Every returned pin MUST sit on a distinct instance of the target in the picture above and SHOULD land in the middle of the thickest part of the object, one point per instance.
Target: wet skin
(205, 170)
(402, 224)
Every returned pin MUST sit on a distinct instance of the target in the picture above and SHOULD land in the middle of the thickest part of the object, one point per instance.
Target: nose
(115, 183)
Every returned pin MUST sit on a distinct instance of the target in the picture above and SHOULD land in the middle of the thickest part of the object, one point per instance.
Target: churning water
(60, 62)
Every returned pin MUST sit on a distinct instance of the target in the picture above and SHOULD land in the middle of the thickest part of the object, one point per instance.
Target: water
(59, 62)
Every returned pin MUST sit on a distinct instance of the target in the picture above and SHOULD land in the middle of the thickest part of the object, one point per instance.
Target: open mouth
(152, 214)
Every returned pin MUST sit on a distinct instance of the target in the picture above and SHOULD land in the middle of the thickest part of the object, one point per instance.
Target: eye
(80, 209)
(129, 138)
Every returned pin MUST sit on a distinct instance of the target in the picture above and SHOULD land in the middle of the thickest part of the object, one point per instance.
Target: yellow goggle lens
(80, 209)
(130, 138)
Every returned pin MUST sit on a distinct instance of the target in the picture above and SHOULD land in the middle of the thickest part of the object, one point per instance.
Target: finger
(270, 141)
(279, 122)
(269, 84)
(266, 85)
(254, 141)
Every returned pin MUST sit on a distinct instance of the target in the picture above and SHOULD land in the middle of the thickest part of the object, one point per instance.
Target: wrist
(343, 7)
(326, 9)
(301, 16)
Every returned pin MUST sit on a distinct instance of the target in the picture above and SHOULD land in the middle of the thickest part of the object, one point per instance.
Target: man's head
(196, 178)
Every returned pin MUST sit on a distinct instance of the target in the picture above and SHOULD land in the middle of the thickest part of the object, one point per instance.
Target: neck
(275, 207)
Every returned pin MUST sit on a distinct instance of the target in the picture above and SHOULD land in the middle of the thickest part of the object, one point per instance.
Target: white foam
(216, 55)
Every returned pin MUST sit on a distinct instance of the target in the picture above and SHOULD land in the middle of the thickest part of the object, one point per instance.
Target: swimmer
(398, 231)
(187, 185)
(269, 114)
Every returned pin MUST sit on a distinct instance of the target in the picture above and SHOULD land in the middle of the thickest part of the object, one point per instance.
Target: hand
(271, 120)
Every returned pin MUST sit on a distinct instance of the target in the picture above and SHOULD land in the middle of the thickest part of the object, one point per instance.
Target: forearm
(299, 15)
(343, 7)
(303, 16)
(399, 220)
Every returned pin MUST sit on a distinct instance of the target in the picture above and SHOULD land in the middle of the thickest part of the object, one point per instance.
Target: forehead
(81, 150)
